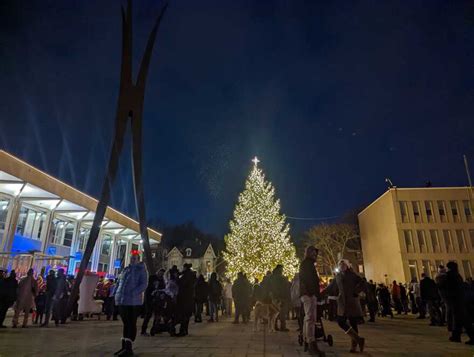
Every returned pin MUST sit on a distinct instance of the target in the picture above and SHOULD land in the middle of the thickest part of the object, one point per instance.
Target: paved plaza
(404, 336)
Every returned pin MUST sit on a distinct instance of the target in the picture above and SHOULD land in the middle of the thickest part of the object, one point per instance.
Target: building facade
(45, 223)
(410, 231)
(202, 257)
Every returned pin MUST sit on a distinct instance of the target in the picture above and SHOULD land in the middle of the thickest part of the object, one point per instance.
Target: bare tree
(333, 242)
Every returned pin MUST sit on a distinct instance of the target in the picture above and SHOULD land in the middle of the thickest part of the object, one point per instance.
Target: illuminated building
(45, 223)
(410, 231)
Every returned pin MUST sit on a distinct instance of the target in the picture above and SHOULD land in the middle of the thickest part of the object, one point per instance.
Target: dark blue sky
(332, 96)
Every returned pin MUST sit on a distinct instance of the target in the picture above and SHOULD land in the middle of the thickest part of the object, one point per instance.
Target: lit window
(466, 265)
(106, 244)
(471, 236)
(426, 267)
(188, 252)
(413, 266)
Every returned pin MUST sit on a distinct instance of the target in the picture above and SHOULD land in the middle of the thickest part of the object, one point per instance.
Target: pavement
(402, 336)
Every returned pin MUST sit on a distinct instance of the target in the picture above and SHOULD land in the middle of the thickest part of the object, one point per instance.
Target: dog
(268, 312)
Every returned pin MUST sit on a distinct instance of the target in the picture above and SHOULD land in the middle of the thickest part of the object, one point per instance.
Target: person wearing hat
(346, 286)
(129, 299)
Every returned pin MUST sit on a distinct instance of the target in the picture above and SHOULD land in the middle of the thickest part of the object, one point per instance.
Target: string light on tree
(258, 238)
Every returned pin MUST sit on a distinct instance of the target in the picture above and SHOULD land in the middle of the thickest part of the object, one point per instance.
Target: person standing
(309, 293)
(348, 285)
(241, 293)
(185, 300)
(430, 296)
(372, 303)
(129, 298)
(49, 294)
(228, 298)
(215, 294)
(295, 298)
(8, 294)
(396, 297)
(280, 291)
(452, 287)
(27, 291)
(403, 298)
(148, 303)
(201, 295)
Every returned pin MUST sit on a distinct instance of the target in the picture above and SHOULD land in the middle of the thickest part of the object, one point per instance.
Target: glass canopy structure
(45, 223)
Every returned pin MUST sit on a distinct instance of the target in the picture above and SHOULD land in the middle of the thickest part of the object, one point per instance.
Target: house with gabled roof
(201, 256)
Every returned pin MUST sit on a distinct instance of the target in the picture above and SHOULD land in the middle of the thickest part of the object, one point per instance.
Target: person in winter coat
(384, 300)
(50, 290)
(60, 298)
(201, 294)
(129, 299)
(309, 294)
(148, 302)
(372, 303)
(215, 296)
(430, 296)
(348, 285)
(452, 287)
(8, 294)
(228, 298)
(185, 302)
(241, 293)
(27, 291)
(396, 297)
(280, 291)
(403, 298)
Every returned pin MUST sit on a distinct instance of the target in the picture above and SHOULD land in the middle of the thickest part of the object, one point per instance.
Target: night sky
(331, 96)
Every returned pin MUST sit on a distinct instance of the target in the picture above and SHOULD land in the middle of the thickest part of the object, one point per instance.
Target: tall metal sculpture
(129, 108)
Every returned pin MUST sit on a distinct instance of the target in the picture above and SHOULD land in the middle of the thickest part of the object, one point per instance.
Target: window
(435, 241)
(82, 238)
(188, 252)
(429, 211)
(416, 211)
(404, 211)
(461, 240)
(426, 264)
(4, 203)
(466, 265)
(413, 266)
(409, 241)
(471, 236)
(448, 241)
(106, 244)
(467, 210)
(455, 211)
(442, 211)
(422, 241)
(30, 223)
(61, 232)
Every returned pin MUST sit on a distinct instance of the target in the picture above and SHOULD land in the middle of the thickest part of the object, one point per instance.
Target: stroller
(319, 327)
(164, 308)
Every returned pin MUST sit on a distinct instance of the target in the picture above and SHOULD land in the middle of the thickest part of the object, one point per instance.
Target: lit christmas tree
(258, 238)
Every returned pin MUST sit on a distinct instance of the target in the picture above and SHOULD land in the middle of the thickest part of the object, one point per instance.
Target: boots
(128, 351)
(122, 349)
(314, 350)
(356, 340)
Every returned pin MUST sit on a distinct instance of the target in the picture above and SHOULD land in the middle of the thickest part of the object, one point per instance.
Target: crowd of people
(169, 299)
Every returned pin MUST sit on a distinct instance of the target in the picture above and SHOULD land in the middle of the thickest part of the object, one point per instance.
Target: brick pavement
(404, 336)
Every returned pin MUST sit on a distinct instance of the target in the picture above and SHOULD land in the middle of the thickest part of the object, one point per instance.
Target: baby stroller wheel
(300, 340)
(330, 341)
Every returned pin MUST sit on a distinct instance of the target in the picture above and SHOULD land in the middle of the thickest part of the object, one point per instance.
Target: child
(40, 302)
